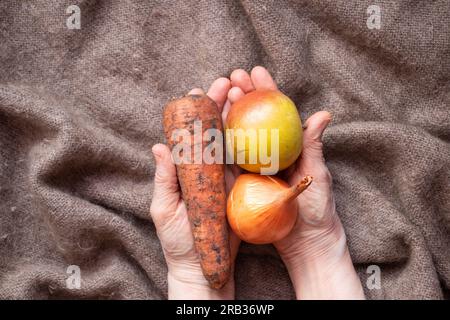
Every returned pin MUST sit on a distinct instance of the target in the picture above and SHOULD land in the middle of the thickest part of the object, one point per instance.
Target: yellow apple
(262, 111)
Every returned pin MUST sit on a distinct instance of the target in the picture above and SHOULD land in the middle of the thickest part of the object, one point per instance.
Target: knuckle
(328, 178)
(170, 181)
(154, 210)
(315, 144)
(157, 210)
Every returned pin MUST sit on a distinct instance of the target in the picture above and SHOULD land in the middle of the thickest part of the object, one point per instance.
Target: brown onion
(263, 209)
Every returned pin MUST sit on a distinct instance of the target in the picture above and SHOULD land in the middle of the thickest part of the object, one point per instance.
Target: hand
(168, 212)
(315, 252)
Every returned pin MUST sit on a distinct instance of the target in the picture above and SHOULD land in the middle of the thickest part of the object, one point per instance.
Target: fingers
(316, 125)
(262, 80)
(235, 94)
(226, 109)
(219, 91)
(243, 83)
(231, 174)
(196, 91)
(312, 136)
(241, 79)
(165, 168)
(227, 91)
(165, 192)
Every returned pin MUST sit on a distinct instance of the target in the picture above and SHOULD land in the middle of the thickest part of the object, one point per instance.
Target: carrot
(202, 187)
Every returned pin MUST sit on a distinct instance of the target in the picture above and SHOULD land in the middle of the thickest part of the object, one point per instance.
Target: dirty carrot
(202, 185)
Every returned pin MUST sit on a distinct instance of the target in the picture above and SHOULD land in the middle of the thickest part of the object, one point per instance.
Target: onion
(263, 209)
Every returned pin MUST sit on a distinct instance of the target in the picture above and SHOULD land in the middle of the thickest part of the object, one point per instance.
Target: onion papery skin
(261, 209)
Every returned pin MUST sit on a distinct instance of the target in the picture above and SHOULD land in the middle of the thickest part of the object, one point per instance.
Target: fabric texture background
(80, 110)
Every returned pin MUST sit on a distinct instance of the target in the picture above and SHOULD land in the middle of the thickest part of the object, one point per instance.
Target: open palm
(168, 210)
(316, 204)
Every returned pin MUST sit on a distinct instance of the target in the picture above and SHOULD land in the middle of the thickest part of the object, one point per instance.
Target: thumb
(312, 135)
(165, 193)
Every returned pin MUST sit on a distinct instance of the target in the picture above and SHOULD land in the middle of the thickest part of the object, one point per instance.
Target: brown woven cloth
(80, 110)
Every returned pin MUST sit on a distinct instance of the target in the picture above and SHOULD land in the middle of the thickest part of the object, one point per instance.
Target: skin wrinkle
(315, 243)
(111, 79)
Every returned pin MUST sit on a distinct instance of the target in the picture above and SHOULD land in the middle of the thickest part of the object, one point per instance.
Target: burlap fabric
(80, 110)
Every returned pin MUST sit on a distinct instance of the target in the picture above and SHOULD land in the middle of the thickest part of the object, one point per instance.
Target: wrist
(188, 283)
(313, 243)
(320, 265)
(327, 279)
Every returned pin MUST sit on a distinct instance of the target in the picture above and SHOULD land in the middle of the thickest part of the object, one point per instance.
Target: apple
(267, 110)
